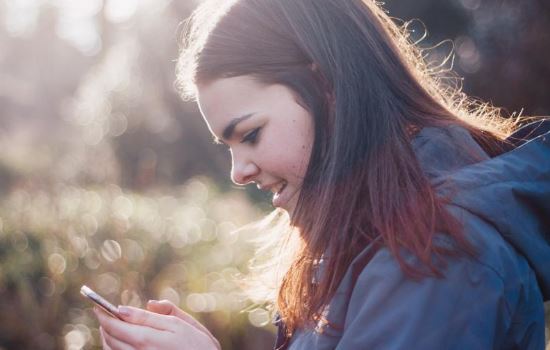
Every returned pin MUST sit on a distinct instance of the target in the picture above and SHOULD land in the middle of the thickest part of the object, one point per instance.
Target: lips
(280, 187)
(278, 190)
(279, 197)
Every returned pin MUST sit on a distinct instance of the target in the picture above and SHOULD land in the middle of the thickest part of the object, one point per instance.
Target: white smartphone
(100, 301)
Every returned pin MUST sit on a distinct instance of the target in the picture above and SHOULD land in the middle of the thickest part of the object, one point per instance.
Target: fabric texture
(494, 301)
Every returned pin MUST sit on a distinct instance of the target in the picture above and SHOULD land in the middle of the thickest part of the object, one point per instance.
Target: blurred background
(108, 179)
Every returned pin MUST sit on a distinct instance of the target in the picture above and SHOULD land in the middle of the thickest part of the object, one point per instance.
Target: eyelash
(251, 137)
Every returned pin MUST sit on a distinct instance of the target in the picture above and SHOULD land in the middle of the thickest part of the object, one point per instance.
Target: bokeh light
(108, 179)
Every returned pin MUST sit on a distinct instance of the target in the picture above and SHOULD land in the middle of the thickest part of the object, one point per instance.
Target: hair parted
(369, 91)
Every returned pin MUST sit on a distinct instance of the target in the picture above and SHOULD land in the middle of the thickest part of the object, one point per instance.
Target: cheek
(286, 161)
(305, 146)
(299, 158)
(301, 146)
(287, 147)
(303, 162)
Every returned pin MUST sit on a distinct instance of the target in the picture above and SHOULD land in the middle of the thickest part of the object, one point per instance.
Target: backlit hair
(369, 91)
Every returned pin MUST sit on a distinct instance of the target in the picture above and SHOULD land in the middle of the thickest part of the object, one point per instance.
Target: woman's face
(269, 134)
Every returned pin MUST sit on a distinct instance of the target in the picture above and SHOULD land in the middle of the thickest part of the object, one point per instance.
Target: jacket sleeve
(465, 310)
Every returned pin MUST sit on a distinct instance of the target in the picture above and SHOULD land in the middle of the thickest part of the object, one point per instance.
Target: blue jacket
(494, 301)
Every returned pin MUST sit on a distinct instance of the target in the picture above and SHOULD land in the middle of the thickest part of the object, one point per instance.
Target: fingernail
(152, 301)
(124, 311)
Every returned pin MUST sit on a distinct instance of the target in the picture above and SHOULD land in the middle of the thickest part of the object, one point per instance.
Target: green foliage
(94, 142)
(129, 247)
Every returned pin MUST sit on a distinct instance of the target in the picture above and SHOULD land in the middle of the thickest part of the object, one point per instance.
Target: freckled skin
(283, 146)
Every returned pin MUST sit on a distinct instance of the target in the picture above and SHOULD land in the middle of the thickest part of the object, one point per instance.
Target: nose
(243, 171)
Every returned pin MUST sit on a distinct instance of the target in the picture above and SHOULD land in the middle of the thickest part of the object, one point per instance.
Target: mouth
(278, 199)
(279, 188)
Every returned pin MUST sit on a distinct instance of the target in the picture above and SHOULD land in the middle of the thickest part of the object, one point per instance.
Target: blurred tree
(95, 144)
(500, 47)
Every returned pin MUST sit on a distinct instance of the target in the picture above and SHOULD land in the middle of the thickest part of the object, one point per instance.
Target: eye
(251, 137)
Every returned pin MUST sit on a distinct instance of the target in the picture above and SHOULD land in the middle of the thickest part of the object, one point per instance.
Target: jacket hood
(510, 191)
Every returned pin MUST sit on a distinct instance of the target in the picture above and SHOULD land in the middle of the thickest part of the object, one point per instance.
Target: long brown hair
(369, 91)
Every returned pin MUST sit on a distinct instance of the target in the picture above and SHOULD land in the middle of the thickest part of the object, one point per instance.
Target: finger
(112, 343)
(160, 308)
(128, 333)
(106, 339)
(176, 311)
(102, 337)
(168, 308)
(150, 319)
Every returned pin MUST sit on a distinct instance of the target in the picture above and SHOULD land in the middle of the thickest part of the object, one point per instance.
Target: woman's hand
(163, 327)
(166, 307)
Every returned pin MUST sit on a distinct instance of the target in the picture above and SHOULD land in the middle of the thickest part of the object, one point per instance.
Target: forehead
(227, 96)
(224, 99)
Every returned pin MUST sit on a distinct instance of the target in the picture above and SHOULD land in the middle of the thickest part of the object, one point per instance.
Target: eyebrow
(230, 128)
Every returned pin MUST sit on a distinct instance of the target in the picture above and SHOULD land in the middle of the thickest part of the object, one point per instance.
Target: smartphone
(100, 301)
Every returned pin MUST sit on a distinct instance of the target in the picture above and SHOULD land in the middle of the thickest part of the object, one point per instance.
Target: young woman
(413, 224)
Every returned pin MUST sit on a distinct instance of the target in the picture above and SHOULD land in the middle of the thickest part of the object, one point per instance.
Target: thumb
(142, 317)
(166, 307)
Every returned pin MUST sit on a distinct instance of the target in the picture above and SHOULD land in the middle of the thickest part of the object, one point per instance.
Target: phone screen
(100, 301)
